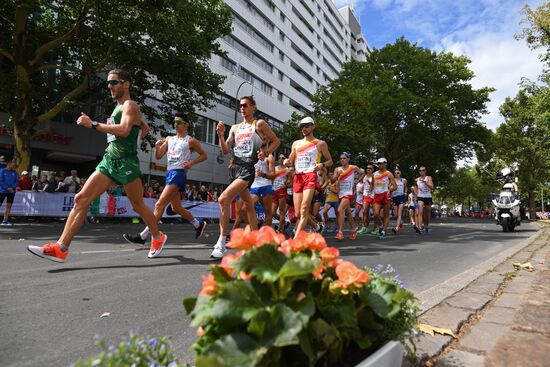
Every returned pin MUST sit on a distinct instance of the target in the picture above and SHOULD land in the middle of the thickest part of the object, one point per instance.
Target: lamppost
(237, 109)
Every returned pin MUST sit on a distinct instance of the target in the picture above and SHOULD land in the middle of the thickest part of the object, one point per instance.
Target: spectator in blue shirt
(8, 182)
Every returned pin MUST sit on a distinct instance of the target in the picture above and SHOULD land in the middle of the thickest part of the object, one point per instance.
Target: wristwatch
(94, 124)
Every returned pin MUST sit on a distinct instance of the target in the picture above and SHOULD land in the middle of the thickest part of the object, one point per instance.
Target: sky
(482, 30)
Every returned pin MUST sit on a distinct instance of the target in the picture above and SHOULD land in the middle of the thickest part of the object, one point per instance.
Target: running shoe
(353, 235)
(418, 230)
(325, 229)
(335, 230)
(7, 223)
(374, 231)
(156, 246)
(401, 225)
(362, 230)
(394, 230)
(339, 236)
(321, 228)
(218, 252)
(427, 229)
(200, 229)
(50, 251)
(133, 239)
(381, 235)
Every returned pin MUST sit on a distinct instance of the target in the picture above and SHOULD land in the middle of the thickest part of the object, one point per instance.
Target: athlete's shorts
(280, 194)
(426, 201)
(412, 207)
(351, 199)
(304, 181)
(359, 200)
(176, 177)
(289, 196)
(318, 197)
(121, 171)
(359, 206)
(381, 199)
(368, 199)
(9, 195)
(398, 200)
(262, 191)
(333, 204)
(243, 171)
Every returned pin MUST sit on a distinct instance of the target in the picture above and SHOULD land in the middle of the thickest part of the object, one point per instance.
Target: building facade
(280, 51)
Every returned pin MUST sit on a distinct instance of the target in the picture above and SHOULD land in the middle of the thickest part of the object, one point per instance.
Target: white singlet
(280, 177)
(307, 156)
(423, 190)
(261, 181)
(381, 182)
(178, 152)
(346, 182)
(400, 188)
(366, 187)
(359, 193)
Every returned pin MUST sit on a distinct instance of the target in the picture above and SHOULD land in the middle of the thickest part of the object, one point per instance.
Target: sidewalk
(500, 319)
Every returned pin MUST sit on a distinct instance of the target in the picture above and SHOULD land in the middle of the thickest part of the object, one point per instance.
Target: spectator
(25, 182)
(210, 195)
(72, 182)
(8, 183)
(156, 188)
(194, 194)
(41, 185)
(59, 184)
(82, 182)
(3, 163)
(188, 191)
(150, 193)
(203, 194)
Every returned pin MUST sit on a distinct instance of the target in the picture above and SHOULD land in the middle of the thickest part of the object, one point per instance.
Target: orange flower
(329, 255)
(245, 276)
(318, 273)
(209, 285)
(348, 274)
(229, 259)
(285, 247)
(242, 239)
(267, 234)
(311, 241)
(200, 331)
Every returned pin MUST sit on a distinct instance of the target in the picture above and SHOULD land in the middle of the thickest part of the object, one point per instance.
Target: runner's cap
(24, 173)
(306, 120)
(346, 154)
(382, 160)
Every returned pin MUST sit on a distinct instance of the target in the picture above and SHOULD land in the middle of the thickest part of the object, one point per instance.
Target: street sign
(237, 68)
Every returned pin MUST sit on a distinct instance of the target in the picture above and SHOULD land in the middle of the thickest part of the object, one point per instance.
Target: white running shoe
(218, 252)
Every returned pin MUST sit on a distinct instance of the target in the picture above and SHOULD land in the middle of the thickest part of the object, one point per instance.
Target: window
(281, 75)
(281, 56)
(257, 14)
(252, 55)
(252, 79)
(205, 130)
(227, 101)
(280, 96)
(238, 21)
(281, 35)
(282, 17)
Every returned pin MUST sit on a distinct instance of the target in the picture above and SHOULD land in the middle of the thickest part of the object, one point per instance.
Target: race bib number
(303, 162)
(243, 145)
(110, 137)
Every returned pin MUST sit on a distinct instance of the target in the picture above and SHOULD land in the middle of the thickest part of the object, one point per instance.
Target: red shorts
(280, 194)
(304, 181)
(351, 199)
(382, 199)
(368, 199)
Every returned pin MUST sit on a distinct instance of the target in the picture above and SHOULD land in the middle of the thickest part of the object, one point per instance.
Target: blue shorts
(262, 191)
(333, 204)
(176, 177)
(398, 200)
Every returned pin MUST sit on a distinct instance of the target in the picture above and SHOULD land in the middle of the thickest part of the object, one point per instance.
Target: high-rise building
(280, 51)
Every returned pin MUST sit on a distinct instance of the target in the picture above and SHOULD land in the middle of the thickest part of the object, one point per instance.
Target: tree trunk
(532, 205)
(22, 133)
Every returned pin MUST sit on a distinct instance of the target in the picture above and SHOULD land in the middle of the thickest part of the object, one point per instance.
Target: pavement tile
(519, 287)
(445, 316)
(499, 315)
(504, 267)
(427, 346)
(511, 300)
(483, 336)
(486, 284)
(472, 301)
(520, 349)
(459, 358)
(533, 318)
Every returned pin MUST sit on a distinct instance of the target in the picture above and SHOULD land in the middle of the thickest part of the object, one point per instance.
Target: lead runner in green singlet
(120, 165)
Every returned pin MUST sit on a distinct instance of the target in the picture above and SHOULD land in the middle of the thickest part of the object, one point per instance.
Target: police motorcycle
(507, 204)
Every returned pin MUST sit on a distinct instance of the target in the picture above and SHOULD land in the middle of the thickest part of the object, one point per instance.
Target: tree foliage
(54, 55)
(467, 186)
(410, 104)
(537, 30)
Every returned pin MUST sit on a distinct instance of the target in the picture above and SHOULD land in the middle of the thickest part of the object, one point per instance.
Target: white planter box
(390, 355)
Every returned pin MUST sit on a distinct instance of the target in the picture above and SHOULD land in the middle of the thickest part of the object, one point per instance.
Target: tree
(410, 104)
(54, 55)
(537, 32)
(523, 140)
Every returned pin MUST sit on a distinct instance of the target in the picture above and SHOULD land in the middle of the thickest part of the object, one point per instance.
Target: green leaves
(379, 295)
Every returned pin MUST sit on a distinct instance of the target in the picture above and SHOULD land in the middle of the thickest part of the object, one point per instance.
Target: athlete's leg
(96, 185)
(377, 207)
(225, 200)
(134, 192)
(420, 214)
(168, 194)
(7, 211)
(343, 206)
(305, 203)
(350, 216)
(250, 210)
(267, 200)
(386, 220)
(282, 213)
(427, 214)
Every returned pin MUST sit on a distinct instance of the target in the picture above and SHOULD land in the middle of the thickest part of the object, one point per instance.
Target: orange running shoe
(339, 236)
(50, 251)
(157, 245)
(353, 235)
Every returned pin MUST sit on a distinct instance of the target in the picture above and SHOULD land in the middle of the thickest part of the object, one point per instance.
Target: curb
(461, 300)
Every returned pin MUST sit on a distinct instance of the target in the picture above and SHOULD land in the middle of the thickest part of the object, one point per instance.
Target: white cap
(24, 173)
(382, 160)
(306, 120)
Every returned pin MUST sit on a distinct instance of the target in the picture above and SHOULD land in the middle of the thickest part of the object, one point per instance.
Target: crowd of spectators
(202, 193)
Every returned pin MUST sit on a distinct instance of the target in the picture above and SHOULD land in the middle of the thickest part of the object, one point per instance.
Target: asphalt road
(50, 313)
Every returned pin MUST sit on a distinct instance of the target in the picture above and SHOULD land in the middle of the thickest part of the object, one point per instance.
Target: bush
(294, 303)
(134, 351)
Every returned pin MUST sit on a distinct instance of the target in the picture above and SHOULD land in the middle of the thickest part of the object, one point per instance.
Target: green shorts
(122, 171)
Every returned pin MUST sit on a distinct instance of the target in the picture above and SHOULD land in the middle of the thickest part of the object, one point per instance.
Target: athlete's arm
(393, 184)
(430, 182)
(267, 135)
(196, 147)
(144, 130)
(220, 130)
(289, 162)
(326, 180)
(130, 113)
(270, 167)
(336, 174)
(323, 147)
(161, 146)
(361, 172)
(404, 185)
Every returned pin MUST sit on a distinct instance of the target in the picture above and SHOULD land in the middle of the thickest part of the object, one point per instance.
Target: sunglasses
(397, 173)
(344, 158)
(369, 168)
(306, 125)
(115, 81)
(243, 105)
(421, 170)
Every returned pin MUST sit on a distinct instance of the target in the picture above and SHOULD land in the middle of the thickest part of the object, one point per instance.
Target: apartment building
(280, 51)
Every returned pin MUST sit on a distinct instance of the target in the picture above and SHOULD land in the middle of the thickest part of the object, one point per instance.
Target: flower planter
(390, 355)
